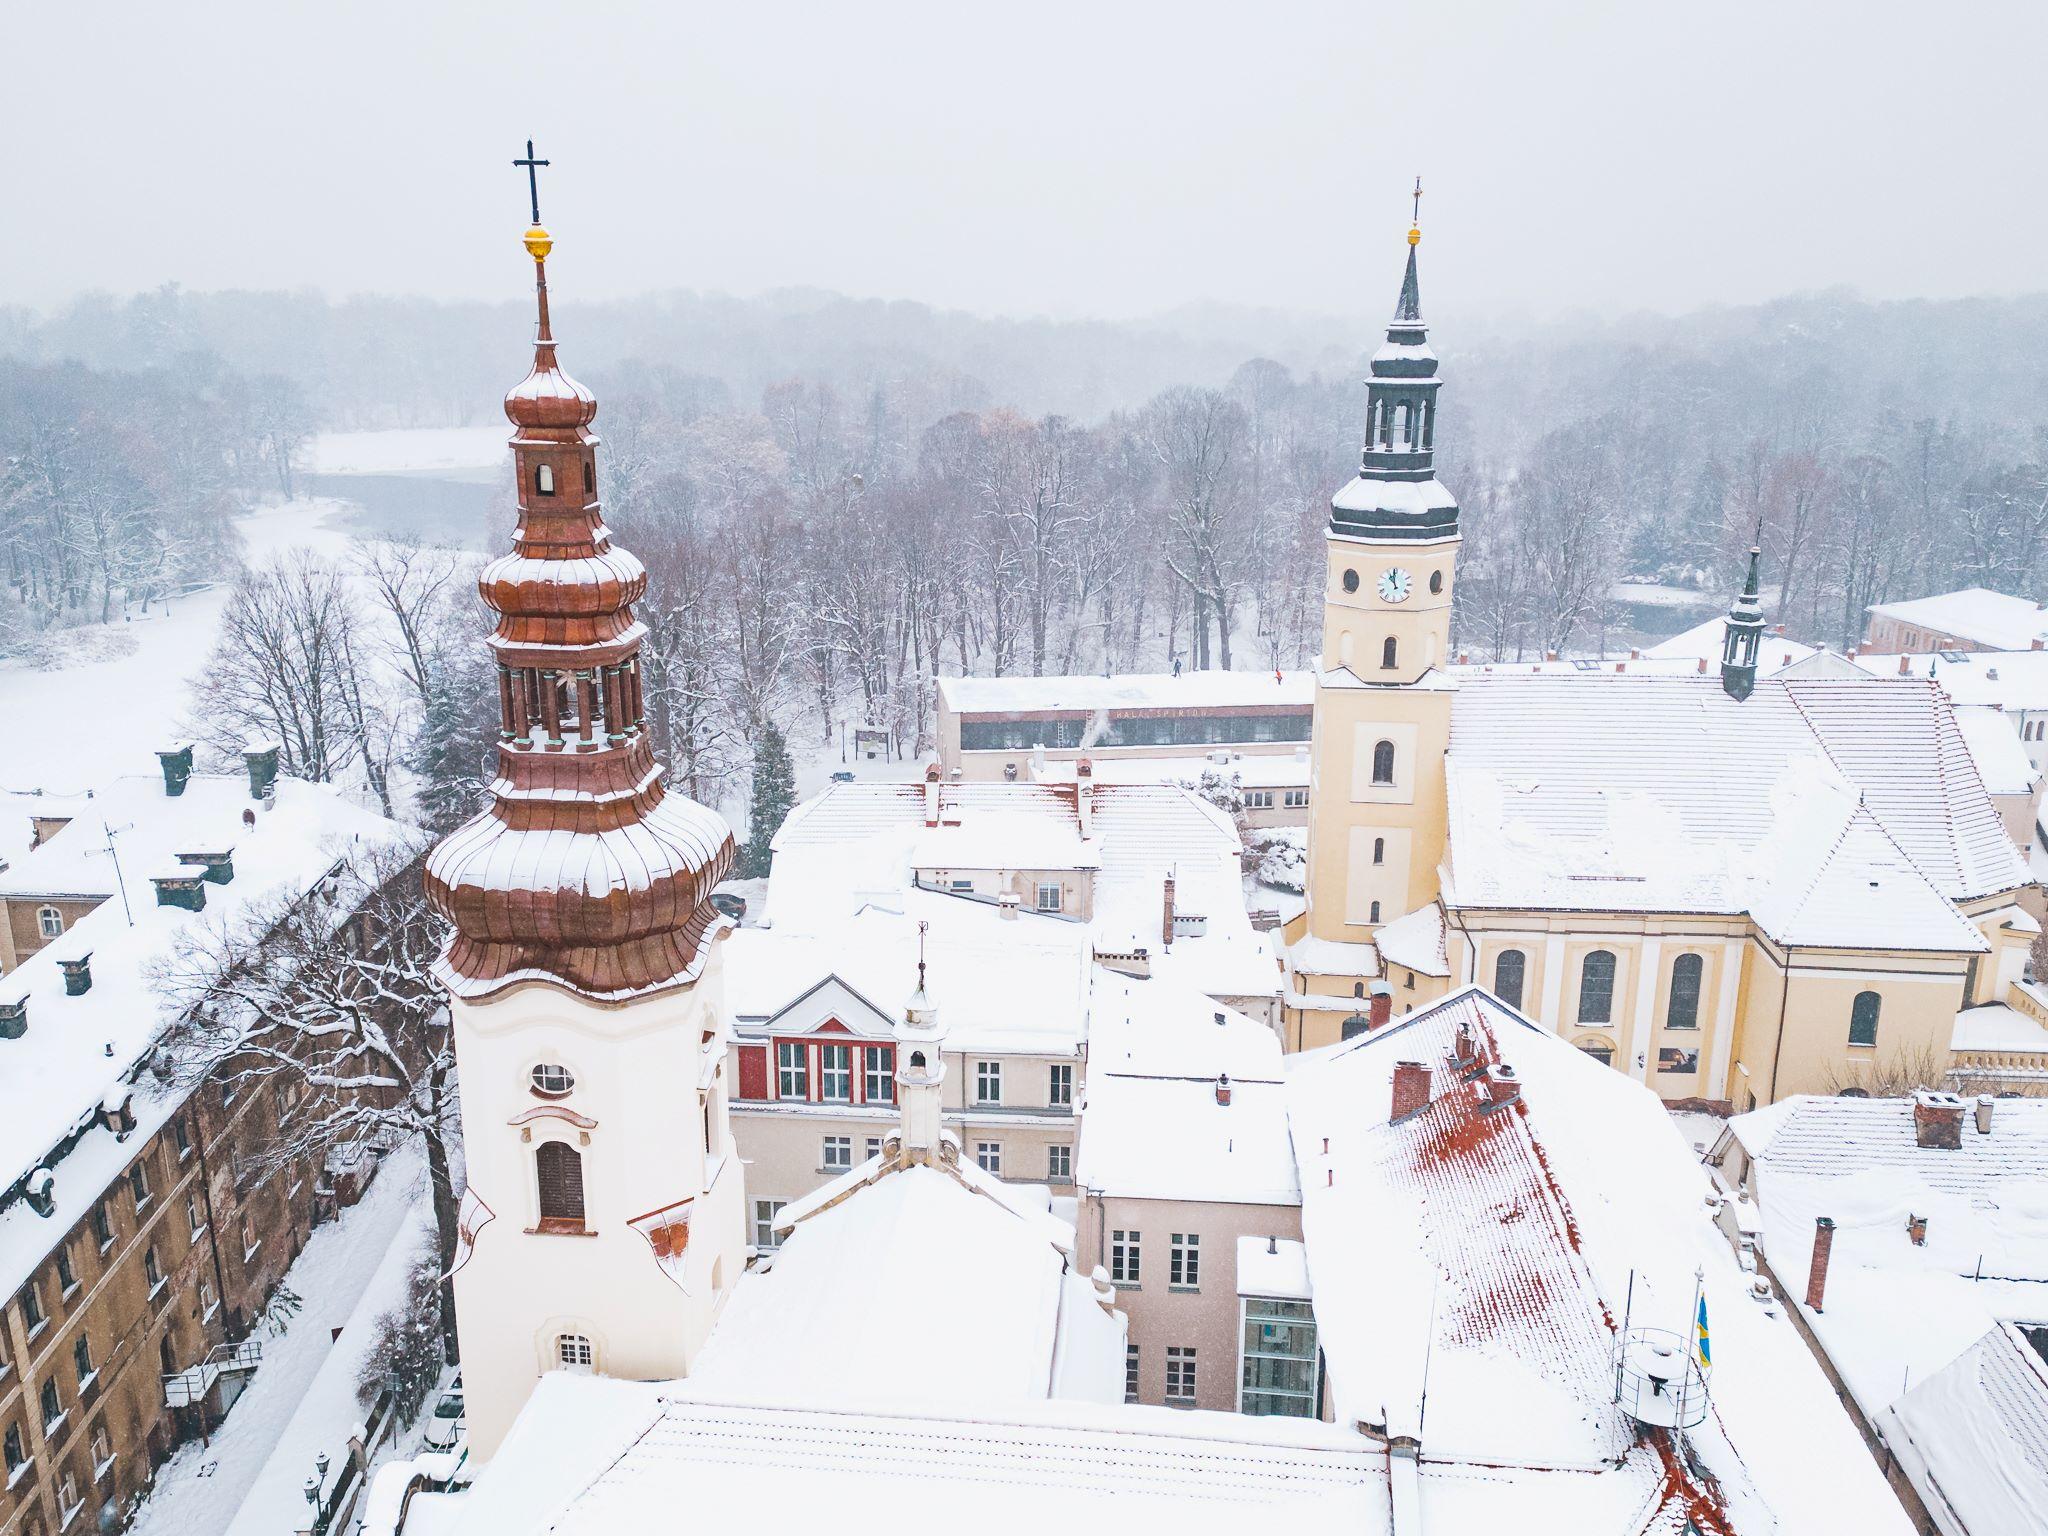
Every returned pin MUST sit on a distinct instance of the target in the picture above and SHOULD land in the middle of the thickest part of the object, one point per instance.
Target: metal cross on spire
(532, 168)
(1415, 219)
(922, 929)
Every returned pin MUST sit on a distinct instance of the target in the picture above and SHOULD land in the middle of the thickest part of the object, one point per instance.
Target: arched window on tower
(1405, 424)
(1374, 915)
(1510, 966)
(573, 1353)
(1383, 763)
(558, 1171)
(1428, 424)
(589, 478)
(1596, 987)
(1683, 1012)
(544, 479)
(1379, 850)
(1388, 651)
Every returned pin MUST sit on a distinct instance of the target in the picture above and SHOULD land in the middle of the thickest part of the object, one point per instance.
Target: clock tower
(1383, 698)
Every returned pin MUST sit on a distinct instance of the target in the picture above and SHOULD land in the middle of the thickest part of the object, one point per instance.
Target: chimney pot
(1411, 1090)
(1817, 1271)
(1985, 1104)
(77, 975)
(1466, 1047)
(1905, 666)
(177, 766)
(1500, 1086)
(1916, 1230)
(1703, 664)
(1381, 1009)
(1621, 666)
(260, 757)
(1937, 1120)
(1635, 653)
(1166, 923)
(1223, 1088)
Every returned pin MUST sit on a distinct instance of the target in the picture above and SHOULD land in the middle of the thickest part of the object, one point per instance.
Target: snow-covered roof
(1490, 1255)
(20, 810)
(2008, 680)
(1634, 793)
(1999, 1027)
(1415, 941)
(1974, 1437)
(917, 1285)
(1127, 691)
(1977, 614)
(1003, 840)
(54, 1078)
(856, 846)
(1002, 985)
(1896, 1311)
(1366, 493)
(1151, 1124)
(1995, 747)
(1704, 640)
(1254, 770)
(1272, 1266)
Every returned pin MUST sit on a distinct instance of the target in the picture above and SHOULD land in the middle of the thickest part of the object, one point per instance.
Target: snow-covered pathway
(351, 1270)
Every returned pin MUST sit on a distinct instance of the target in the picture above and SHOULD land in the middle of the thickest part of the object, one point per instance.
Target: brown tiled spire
(581, 872)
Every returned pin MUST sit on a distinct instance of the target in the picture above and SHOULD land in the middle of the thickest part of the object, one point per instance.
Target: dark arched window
(1509, 967)
(1387, 653)
(1379, 850)
(544, 479)
(1351, 581)
(1863, 1018)
(1375, 914)
(1596, 987)
(1436, 581)
(589, 478)
(1383, 763)
(1684, 1011)
(559, 1168)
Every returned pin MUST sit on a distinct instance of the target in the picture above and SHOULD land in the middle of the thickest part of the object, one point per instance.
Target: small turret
(1744, 633)
(920, 1068)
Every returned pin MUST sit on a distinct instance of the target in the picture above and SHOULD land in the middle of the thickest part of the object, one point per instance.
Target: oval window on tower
(1436, 581)
(552, 1080)
(1351, 581)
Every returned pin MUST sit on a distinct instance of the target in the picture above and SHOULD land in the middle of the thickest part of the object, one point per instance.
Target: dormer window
(544, 479)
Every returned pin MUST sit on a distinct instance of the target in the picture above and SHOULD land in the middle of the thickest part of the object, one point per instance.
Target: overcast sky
(1113, 158)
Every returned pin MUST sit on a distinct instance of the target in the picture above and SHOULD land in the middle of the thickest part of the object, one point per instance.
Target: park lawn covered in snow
(301, 1401)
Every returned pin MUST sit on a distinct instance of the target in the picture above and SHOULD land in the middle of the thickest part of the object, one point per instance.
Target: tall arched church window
(1374, 915)
(1379, 850)
(1683, 1012)
(1388, 652)
(544, 479)
(1863, 1018)
(1596, 987)
(558, 1170)
(1510, 966)
(1383, 763)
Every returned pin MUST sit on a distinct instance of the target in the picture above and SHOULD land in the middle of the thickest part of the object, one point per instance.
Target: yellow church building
(1731, 888)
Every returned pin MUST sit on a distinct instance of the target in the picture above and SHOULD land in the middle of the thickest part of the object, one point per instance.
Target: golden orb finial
(538, 242)
(1414, 236)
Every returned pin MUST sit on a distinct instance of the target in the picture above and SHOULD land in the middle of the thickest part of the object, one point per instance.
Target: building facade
(603, 1217)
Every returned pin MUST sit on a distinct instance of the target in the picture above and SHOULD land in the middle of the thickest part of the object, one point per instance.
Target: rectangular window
(1130, 1374)
(1676, 1059)
(835, 1074)
(961, 887)
(880, 1086)
(765, 1236)
(1059, 1089)
(838, 1154)
(1059, 1164)
(988, 1082)
(1180, 1374)
(1184, 1260)
(102, 1446)
(32, 1306)
(1048, 895)
(138, 1182)
(67, 1277)
(1123, 1256)
(988, 1157)
(53, 1407)
(181, 1136)
(153, 1270)
(208, 1302)
(873, 1147)
(792, 1070)
(103, 1226)
(1279, 1359)
(1295, 800)
(81, 1357)
(250, 1242)
(16, 1452)
(1258, 799)
(193, 1223)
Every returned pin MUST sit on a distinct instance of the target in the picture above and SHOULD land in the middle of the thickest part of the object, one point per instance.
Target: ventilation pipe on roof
(1084, 796)
(1223, 1088)
(1166, 922)
(77, 974)
(1985, 1104)
(1817, 1271)
(1905, 666)
(931, 795)
(1501, 1086)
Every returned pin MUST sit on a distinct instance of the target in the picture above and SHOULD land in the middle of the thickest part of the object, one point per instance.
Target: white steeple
(920, 1068)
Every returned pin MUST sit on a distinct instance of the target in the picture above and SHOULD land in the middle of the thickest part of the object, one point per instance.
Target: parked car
(446, 1424)
(843, 776)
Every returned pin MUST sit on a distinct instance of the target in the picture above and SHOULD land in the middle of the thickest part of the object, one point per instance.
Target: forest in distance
(839, 501)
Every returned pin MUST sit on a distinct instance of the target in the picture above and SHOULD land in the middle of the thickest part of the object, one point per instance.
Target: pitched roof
(1997, 620)
(1630, 793)
(1127, 691)
(1974, 1436)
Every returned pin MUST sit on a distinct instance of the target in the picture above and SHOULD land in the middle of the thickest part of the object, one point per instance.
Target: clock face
(1394, 585)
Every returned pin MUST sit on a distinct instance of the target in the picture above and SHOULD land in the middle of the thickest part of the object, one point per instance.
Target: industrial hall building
(1731, 887)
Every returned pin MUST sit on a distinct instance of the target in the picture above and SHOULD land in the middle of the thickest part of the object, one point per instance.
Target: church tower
(1743, 633)
(1383, 702)
(603, 1226)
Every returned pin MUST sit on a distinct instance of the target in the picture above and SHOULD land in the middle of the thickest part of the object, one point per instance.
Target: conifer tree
(774, 794)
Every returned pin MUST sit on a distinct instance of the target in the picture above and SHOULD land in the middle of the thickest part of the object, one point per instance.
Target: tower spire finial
(1414, 221)
(538, 243)
(922, 929)
(532, 168)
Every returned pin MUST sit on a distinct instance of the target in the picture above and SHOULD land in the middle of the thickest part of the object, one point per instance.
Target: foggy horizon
(1596, 159)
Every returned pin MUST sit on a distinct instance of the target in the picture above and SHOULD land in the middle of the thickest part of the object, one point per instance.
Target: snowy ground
(301, 1400)
(82, 725)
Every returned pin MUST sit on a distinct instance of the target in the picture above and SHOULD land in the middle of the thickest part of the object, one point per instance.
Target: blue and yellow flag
(1700, 1328)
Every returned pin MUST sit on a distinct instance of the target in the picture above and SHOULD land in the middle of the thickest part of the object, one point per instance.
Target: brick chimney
(1166, 922)
(1223, 1088)
(177, 765)
(14, 1019)
(1985, 1104)
(1411, 1090)
(77, 975)
(1916, 1230)
(1905, 666)
(1703, 664)
(931, 795)
(1381, 1009)
(1465, 1047)
(1817, 1271)
(1937, 1120)
(1500, 1085)
(2036, 643)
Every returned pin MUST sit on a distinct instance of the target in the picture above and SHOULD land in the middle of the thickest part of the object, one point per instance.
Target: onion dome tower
(603, 1218)
(581, 871)
(1743, 634)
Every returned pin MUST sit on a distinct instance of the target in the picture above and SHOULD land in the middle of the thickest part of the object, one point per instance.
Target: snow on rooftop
(1125, 691)
(2008, 680)
(1151, 1124)
(1999, 1027)
(1254, 770)
(1974, 1437)
(1996, 749)
(1412, 498)
(1414, 941)
(1996, 620)
(1496, 1251)
(1704, 640)
(999, 840)
(915, 1286)
(76, 1046)
(1634, 793)
(1272, 1266)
